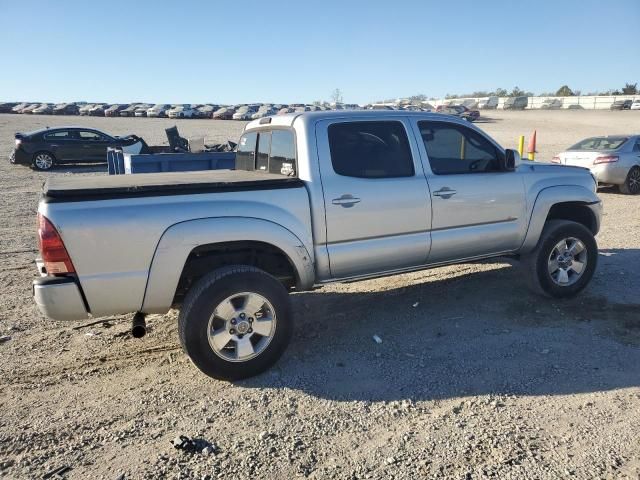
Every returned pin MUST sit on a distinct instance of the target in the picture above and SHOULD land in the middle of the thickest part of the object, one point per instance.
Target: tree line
(563, 91)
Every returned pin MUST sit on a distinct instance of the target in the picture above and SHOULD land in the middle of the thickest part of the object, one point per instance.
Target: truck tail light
(605, 159)
(555, 159)
(54, 254)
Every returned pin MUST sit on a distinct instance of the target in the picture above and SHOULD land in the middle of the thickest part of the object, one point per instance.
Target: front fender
(179, 240)
(550, 196)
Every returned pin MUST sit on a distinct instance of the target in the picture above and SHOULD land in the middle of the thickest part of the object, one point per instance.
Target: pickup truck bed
(75, 189)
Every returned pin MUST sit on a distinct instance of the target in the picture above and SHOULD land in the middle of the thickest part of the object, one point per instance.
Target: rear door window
(60, 135)
(370, 149)
(246, 154)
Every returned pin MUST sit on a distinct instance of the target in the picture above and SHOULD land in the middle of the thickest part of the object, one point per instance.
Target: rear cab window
(269, 150)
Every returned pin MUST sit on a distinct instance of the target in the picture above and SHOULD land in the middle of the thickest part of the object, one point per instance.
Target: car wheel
(12, 158)
(631, 185)
(235, 322)
(43, 161)
(564, 260)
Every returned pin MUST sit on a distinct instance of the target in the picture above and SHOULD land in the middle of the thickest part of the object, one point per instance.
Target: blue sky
(299, 51)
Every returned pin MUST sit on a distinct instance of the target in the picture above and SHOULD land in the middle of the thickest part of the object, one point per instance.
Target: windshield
(600, 143)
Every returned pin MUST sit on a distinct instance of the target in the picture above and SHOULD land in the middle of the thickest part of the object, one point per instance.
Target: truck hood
(548, 175)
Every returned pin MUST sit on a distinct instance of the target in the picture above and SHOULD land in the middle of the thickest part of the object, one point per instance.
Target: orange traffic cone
(531, 150)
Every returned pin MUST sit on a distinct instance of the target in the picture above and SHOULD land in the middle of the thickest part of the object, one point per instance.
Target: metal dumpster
(119, 163)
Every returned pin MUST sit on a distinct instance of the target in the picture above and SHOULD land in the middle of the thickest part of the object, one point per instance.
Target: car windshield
(600, 143)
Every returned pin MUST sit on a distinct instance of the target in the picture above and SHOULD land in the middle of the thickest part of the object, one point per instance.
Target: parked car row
(113, 110)
(459, 111)
(625, 105)
(220, 112)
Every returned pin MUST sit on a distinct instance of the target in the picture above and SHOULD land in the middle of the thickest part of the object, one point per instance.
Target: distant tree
(336, 96)
(517, 92)
(501, 92)
(564, 91)
(630, 89)
(417, 99)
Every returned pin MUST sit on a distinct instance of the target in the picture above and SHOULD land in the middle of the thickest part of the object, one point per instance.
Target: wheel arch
(43, 150)
(571, 202)
(190, 249)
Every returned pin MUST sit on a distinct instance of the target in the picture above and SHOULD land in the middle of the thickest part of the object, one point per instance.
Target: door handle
(445, 192)
(346, 200)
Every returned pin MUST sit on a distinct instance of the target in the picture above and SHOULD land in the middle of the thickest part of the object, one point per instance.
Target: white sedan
(613, 160)
(182, 111)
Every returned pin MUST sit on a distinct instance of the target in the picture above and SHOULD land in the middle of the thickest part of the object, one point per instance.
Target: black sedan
(45, 148)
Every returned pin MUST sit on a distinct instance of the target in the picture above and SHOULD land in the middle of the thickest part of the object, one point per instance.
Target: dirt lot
(475, 376)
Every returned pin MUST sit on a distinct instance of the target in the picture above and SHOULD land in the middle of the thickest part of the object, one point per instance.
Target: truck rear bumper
(59, 298)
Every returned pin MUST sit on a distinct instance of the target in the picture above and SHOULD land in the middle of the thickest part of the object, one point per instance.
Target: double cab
(315, 197)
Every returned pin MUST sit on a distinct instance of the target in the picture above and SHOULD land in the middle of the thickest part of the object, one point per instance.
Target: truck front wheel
(564, 261)
(235, 322)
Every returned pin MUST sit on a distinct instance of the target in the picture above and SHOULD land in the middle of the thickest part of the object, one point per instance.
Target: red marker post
(531, 150)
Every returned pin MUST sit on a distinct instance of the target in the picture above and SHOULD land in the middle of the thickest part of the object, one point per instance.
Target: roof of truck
(287, 119)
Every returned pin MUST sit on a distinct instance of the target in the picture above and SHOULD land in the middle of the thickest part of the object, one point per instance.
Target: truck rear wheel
(564, 260)
(235, 322)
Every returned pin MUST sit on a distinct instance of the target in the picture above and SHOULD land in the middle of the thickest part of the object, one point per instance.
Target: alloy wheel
(567, 261)
(241, 327)
(634, 181)
(43, 161)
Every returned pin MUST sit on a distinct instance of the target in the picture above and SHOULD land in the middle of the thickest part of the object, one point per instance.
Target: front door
(375, 194)
(477, 209)
(92, 146)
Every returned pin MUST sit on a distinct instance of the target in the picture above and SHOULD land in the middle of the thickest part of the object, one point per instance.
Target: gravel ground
(475, 377)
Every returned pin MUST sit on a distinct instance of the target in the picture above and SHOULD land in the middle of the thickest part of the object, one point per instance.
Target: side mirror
(511, 160)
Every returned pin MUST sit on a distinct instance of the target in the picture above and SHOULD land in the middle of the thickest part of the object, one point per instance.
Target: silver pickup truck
(315, 198)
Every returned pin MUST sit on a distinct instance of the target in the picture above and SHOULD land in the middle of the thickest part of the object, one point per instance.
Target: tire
(542, 260)
(12, 158)
(43, 161)
(203, 312)
(631, 185)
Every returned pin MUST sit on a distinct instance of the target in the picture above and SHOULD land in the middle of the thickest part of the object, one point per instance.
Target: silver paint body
(129, 252)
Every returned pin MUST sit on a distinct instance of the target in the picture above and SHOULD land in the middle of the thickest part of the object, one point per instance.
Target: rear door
(477, 209)
(61, 143)
(375, 194)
